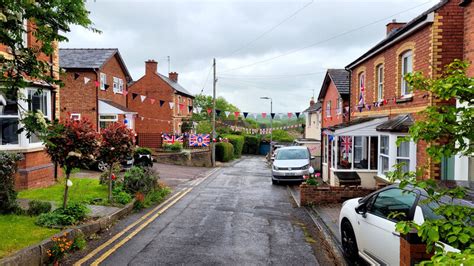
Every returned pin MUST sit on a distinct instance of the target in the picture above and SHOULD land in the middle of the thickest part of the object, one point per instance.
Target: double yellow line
(158, 209)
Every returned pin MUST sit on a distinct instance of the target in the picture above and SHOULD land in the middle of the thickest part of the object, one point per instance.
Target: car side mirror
(361, 209)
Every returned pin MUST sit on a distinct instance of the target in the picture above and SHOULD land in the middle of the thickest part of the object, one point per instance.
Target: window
(407, 67)
(25, 33)
(75, 117)
(384, 154)
(103, 81)
(339, 106)
(360, 100)
(403, 155)
(8, 121)
(326, 148)
(344, 160)
(106, 120)
(392, 201)
(380, 78)
(374, 152)
(38, 101)
(333, 152)
(308, 120)
(328, 109)
(361, 152)
(118, 85)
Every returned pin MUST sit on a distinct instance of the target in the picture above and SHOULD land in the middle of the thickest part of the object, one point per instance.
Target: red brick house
(96, 86)
(36, 169)
(162, 105)
(334, 98)
(383, 106)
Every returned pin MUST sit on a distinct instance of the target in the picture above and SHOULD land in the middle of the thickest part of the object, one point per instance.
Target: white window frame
(406, 68)
(103, 81)
(326, 149)
(23, 105)
(120, 86)
(383, 155)
(115, 119)
(339, 106)
(392, 153)
(75, 117)
(115, 84)
(25, 33)
(380, 80)
(328, 109)
(308, 118)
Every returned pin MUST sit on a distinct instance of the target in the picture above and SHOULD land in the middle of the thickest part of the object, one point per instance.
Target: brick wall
(412, 250)
(35, 170)
(332, 94)
(469, 36)
(433, 46)
(326, 194)
(112, 68)
(197, 158)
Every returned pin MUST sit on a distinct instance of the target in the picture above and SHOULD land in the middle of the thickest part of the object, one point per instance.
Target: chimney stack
(151, 67)
(311, 103)
(173, 76)
(394, 25)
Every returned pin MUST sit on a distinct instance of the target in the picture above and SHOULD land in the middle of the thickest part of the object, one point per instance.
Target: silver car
(291, 164)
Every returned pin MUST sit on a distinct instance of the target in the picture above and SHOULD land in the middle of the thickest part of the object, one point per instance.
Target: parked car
(368, 231)
(291, 164)
(103, 166)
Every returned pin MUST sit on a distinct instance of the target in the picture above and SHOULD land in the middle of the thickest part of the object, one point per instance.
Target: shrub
(155, 196)
(54, 219)
(175, 147)
(8, 167)
(143, 150)
(104, 177)
(36, 207)
(79, 242)
(76, 210)
(251, 144)
(238, 143)
(138, 179)
(280, 136)
(224, 152)
(122, 197)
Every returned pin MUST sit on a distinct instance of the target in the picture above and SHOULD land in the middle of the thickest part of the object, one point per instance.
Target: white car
(291, 164)
(367, 231)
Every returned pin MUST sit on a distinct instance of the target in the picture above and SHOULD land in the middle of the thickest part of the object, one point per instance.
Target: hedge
(238, 143)
(224, 152)
(251, 144)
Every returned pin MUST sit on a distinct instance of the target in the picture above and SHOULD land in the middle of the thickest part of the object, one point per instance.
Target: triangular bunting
(106, 86)
(245, 114)
(97, 84)
(125, 93)
(227, 113)
(171, 105)
(218, 112)
(152, 101)
(76, 75)
(290, 115)
(190, 109)
(86, 80)
(134, 95)
(209, 110)
(142, 98)
(161, 103)
(264, 115)
(236, 114)
(298, 114)
(272, 115)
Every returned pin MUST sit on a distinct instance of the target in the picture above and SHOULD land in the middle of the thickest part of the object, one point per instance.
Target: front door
(380, 241)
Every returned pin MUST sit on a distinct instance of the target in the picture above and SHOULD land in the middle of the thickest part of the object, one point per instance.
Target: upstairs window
(328, 109)
(118, 85)
(407, 67)
(380, 78)
(339, 106)
(103, 81)
(360, 100)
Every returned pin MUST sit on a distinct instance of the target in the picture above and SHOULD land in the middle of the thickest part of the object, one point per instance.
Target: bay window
(361, 152)
(403, 155)
(384, 154)
(326, 148)
(344, 158)
(9, 118)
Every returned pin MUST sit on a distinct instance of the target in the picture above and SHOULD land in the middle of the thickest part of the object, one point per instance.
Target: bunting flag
(199, 140)
(394, 100)
(134, 95)
(369, 107)
(255, 116)
(142, 118)
(347, 109)
(125, 93)
(297, 114)
(272, 115)
(385, 101)
(218, 112)
(264, 115)
(106, 86)
(86, 80)
(245, 114)
(97, 84)
(360, 108)
(142, 98)
(209, 111)
(181, 106)
(227, 113)
(236, 114)
(198, 109)
(161, 103)
(280, 115)
(76, 75)
(290, 115)
(190, 108)
(171, 105)
(152, 101)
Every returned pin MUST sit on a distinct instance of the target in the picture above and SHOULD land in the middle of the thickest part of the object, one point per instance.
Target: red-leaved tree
(71, 144)
(116, 146)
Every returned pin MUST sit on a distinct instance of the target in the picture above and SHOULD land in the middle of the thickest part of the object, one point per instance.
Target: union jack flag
(172, 139)
(199, 140)
(346, 145)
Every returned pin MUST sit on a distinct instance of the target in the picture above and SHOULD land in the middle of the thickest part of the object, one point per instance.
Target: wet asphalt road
(236, 216)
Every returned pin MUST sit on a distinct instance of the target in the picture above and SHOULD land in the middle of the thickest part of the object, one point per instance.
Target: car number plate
(130, 162)
(289, 174)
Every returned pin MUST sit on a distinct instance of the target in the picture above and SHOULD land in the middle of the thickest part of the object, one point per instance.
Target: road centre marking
(173, 199)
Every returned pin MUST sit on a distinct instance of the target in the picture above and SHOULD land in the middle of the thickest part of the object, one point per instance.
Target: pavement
(174, 175)
(329, 214)
(231, 215)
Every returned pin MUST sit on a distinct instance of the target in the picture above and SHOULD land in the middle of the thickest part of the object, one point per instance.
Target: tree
(8, 194)
(50, 20)
(116, 146)
(205, 102)
(70, 144)
(450, 131)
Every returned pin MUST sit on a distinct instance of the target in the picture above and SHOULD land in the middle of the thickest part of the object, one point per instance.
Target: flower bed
(326, 194)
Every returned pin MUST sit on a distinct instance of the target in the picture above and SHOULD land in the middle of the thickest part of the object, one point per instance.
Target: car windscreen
(292, 154)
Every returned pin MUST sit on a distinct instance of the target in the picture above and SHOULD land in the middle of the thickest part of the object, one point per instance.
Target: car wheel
(348, 239)
(275, 182)
(102, 166)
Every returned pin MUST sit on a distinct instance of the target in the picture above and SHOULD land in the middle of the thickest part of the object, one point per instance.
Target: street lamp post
(271, 118)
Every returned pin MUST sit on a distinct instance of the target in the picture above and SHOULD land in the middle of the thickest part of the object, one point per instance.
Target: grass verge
(19, 232)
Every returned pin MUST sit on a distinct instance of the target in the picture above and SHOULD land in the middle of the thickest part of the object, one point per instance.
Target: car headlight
(306, 167)
(275, 168)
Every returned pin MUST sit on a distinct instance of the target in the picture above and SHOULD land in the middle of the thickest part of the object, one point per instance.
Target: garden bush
(143, 150)
(122, 197)
(8, 167)
(138, 179)
(251, 144)
(70, 215)
(175, 147)
(238, 143)
(224, 152)
(36, 207)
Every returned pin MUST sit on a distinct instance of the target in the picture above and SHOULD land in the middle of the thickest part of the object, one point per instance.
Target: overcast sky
(240, 35)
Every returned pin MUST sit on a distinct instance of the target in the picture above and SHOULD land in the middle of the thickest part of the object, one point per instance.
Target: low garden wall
(327, 194)
(194, 158)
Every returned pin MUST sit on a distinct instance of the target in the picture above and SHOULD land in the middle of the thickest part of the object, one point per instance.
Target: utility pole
(214, 114)
(271, 121)
(169, 64)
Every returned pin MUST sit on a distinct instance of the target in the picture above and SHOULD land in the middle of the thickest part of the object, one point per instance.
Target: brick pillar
(412, 250)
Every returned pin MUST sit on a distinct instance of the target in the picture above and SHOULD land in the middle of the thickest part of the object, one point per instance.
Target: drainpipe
(53, 113)
(97, 99)
(350, 87)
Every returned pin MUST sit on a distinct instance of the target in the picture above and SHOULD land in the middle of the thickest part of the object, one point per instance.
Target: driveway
(174, 175)
(231, 216)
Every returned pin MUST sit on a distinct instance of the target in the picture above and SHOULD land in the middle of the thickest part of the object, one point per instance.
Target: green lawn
(83, 189)
(18, 232)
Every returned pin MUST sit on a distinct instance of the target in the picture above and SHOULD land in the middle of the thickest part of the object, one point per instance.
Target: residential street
(235, 216)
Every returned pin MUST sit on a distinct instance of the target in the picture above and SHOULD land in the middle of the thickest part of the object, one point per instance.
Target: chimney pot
(173, 76)
(394, 25)
(151, 67)
(311, 103)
